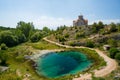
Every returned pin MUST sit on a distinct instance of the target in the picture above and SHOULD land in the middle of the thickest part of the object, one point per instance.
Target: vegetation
(114, 53)
(97, 33)
(16, 43)
(36, 37)
(3, 46)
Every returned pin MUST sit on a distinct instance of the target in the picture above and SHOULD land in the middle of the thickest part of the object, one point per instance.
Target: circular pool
(56, 64)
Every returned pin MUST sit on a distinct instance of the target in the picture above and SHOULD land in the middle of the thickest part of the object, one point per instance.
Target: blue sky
(53, 13)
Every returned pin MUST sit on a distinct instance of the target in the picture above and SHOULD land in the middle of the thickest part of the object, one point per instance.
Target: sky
(54, 13)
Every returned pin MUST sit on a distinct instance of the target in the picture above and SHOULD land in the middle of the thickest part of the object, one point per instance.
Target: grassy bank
(17, 63)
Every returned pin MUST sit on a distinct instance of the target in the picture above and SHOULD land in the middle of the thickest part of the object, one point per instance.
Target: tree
(8, 38)
(36, 37)
(118, 26)
(100, 25)
(94, 28)
(26, 28)
(113, 52)
(113, 27)
(20, 36)
(46, 29)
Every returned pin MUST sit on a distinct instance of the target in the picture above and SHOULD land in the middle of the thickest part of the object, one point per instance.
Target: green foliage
(8, 38)
(46, 29)
(66, 35)
(100, 25)
(43, 45)
(117, 56)
(10, 75)
(112, 42)
(118, 26)
(80, 35)
(20, 36)
(26, 28)
(96, 27)
(3, 46)
(5, 28)
(113, 27)
(36, 37)
(3, 59)
(97, 78)
(72, 43)
(113, 52)
(61, 39)
(90, 44)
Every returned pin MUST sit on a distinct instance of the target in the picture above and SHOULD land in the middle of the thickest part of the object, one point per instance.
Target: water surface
(56, 64)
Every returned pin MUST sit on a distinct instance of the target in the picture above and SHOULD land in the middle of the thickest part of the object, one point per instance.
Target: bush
(117, 56)
(66, 35)
(3, 46)
(72, 43)
(8, 38)
(113, 52)
(112, 42)
(3, 59)
(35, 37)
(61, 39)
(90, 44)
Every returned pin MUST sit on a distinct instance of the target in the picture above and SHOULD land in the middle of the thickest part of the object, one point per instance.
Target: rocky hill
(96, 34)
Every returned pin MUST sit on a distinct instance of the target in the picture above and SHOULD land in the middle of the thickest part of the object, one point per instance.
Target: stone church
(80, 21)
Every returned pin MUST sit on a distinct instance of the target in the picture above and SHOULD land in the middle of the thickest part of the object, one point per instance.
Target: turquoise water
(56, 64)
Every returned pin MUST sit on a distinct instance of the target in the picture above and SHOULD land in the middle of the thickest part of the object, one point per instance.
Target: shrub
(3, 46)
(117, 56)
(113, 52)
(66, 35)
(61, 39)
(90, 44)
(35, 37)
(8, 38)
(112, 42)
(72, 43)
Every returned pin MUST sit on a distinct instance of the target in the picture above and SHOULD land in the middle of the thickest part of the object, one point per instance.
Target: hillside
(17, 44)
(97, 33)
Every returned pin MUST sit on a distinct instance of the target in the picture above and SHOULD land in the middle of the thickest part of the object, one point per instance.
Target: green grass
(42, 45)
(16, 60)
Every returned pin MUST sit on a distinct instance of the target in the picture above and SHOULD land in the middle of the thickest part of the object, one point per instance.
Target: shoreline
(111, 64)
(40, 53)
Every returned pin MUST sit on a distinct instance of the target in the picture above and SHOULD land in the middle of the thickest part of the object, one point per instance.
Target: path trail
(111, 63)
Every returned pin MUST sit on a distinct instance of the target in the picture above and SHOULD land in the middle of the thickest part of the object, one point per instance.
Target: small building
(80, 21)
(106, 47)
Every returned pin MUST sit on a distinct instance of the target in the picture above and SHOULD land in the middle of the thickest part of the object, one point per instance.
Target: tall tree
(100, 25)
(26, 28)
(113, 27)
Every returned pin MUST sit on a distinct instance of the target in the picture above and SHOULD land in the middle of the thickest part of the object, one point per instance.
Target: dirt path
(111, 64)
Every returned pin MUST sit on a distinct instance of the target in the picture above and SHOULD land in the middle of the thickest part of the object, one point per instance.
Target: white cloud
(51, 22)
